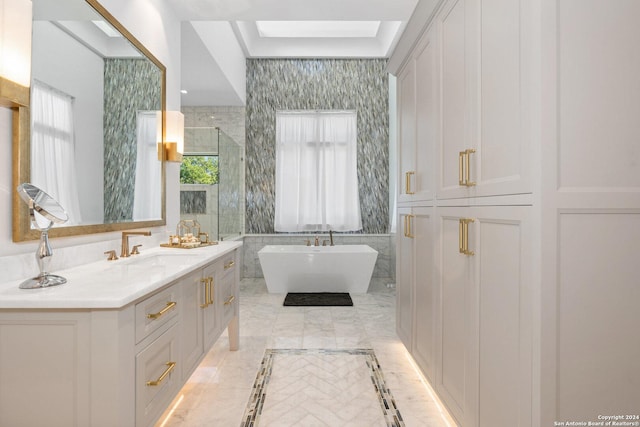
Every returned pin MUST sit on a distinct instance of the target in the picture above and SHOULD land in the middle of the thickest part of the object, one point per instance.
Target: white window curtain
(316, 171)
(147, 203)
(53, 162)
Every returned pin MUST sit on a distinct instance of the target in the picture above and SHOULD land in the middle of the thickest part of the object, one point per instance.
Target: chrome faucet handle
(112, 255)
(135, 250)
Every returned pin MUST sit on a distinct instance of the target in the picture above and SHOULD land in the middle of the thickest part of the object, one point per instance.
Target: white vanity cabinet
(418, 123)
(485, 55)
(538, 117)
(113, 366)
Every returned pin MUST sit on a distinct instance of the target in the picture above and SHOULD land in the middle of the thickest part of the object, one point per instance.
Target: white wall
(52, 51)
(157, 27)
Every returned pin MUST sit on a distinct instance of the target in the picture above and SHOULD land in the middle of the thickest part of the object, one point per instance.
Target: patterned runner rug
(321, 387)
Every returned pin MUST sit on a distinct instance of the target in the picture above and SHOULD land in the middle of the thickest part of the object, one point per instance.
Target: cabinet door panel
(404, 284)
(426, 295)
(502, 138)
(453, 79)
(191, 323)
(406, 129)
(456, 291)
(598, 141)
(504, 326)
(211, 321)
(597, 314)
(427, 116)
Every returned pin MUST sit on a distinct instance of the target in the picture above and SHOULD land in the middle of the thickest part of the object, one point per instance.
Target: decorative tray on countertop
(187, 245)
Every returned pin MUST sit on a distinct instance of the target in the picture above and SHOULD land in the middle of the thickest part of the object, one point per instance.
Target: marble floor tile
(219, 390)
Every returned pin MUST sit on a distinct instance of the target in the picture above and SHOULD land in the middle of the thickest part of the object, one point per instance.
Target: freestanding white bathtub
(298, 268)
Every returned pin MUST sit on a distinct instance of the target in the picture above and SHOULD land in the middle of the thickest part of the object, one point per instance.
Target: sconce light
(173, 143)
(15, 51)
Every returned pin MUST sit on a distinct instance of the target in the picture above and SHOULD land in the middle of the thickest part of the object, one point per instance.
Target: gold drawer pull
(229, 265)
(162, 312)
(170, 367)
(230, 300)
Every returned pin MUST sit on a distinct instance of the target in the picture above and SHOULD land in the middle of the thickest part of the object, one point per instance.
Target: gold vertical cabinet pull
(170, 367)
(230, 300)
(407, 183)
(464, 167)
(229, 265)
(409, 234)
(208, 291)
(407, 226)
(463, 236)
(162, 312)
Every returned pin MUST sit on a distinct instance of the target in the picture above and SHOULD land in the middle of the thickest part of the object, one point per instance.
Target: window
(316, 171)
(199, 169)
(53, 147)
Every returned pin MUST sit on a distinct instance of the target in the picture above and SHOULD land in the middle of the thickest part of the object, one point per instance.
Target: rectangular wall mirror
(96, 113)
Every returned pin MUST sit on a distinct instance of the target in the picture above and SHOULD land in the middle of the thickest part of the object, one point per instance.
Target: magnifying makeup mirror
(44, 211)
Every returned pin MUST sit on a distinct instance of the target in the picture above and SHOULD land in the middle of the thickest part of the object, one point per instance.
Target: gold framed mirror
(119, 87)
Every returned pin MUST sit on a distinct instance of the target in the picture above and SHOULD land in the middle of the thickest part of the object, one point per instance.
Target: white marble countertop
(113, 284)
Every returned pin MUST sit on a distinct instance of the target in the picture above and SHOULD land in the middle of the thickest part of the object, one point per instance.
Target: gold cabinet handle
(206, 292)
(229, 265)
(463, 236)
(404, 218)
(408, 233)
(162, 312)
(467, 167)
(407, 183)
(230, 300)
(211, 286)
(170, 367)
(464, 166)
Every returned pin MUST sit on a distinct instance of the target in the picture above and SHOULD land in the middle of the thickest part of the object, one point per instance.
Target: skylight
(318, 28)
(107, 29)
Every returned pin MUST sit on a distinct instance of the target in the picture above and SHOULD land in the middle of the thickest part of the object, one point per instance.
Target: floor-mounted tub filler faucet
(125, 241)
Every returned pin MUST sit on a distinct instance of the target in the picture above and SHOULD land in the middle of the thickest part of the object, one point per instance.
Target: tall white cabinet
(515, 263)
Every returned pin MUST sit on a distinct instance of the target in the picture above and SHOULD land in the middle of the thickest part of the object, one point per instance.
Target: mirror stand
(43, 257)
(43, 211)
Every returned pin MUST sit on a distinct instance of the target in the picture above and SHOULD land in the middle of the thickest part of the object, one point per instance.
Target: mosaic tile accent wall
(324, 84)
(130, 85)
(193, 202)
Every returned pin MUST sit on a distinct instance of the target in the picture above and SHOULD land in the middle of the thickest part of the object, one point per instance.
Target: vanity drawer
(157, 377)
(229, 264)
(156, 311)
(227, 301)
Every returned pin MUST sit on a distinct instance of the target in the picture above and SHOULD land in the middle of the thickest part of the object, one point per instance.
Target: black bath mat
(317, 299)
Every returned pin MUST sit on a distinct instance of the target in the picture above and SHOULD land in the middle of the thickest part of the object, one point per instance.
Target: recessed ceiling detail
(311, 29)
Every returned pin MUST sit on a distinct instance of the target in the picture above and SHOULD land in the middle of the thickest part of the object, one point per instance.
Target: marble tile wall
(310, 84)
(380, 242)
(130, 85)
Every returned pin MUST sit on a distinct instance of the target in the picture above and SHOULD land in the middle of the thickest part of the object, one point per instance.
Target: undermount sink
(158, 259)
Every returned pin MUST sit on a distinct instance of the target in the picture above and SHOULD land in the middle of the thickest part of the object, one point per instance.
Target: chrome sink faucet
(125, 241)
(331, 237)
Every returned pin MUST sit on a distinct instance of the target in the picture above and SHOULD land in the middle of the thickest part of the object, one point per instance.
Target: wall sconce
(173, 143)
(15, 51)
